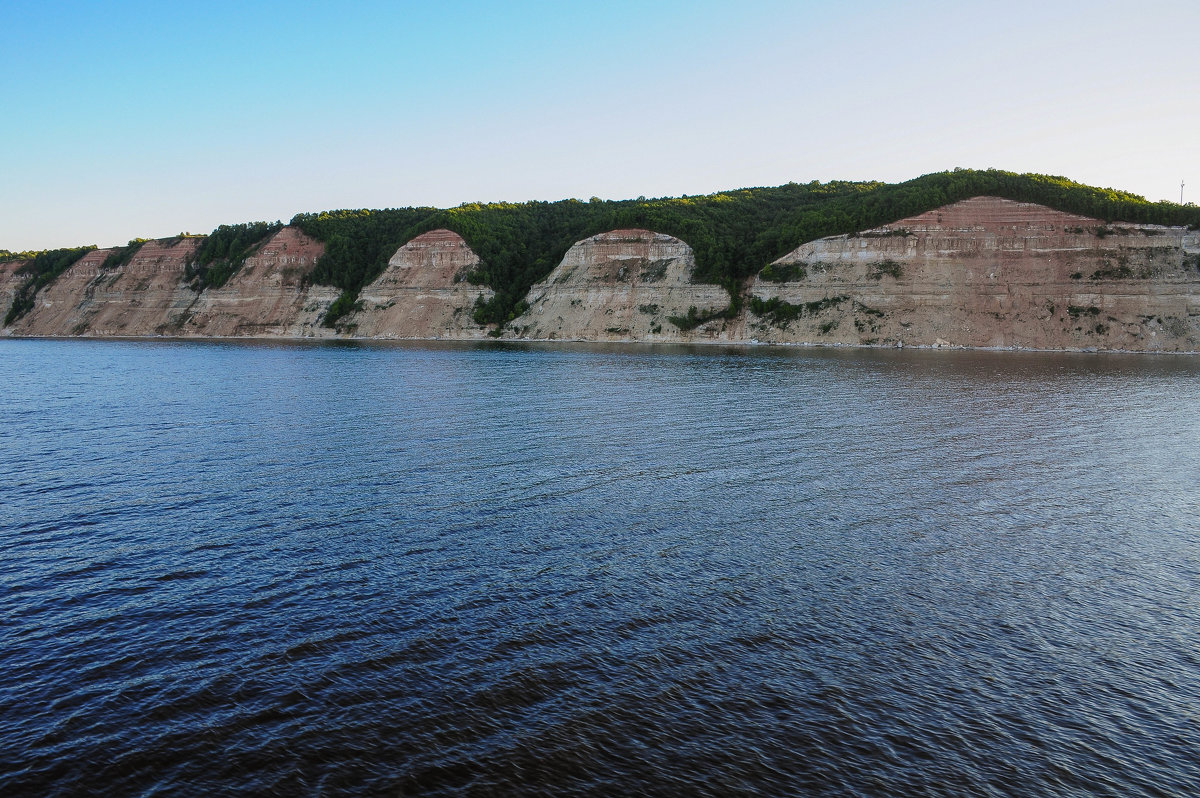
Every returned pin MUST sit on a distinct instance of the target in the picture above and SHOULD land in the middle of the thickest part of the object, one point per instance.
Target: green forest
(734, 234)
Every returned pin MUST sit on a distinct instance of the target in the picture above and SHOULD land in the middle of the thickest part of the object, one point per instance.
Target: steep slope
(988, 272)
(268, 296)
(150, 294)
(10, 281)
(142, 297)
(423, 293)
(620, 286)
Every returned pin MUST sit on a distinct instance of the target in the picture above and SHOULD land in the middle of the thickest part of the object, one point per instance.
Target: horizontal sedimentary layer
(423, 293)
(624, 285)
(988, 272)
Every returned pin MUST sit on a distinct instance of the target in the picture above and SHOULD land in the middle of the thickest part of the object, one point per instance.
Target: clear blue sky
(147, 119)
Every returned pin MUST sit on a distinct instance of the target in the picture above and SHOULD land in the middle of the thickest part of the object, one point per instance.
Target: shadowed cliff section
(10, 283)
(35, 271)
(268, 294)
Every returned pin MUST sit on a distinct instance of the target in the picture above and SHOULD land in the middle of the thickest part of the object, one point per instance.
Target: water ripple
(509, 569)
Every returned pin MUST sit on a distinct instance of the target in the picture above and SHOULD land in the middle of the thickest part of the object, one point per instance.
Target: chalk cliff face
(988, 272)
(268, 296)
(622, 286)
(143, 297)
(423, 293)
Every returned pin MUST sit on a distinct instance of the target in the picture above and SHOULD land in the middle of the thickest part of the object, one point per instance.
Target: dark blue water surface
(518, 569)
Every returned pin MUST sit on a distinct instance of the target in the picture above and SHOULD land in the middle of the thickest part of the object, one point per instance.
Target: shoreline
(621, 342)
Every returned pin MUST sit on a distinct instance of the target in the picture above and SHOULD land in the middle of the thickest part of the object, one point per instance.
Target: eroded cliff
(269, 296)
(423, 292)
(623, 285)
(145, 296)
(152, 295)
(988, 272)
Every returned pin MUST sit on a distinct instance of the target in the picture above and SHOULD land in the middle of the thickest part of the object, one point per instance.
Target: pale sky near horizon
(145, 119)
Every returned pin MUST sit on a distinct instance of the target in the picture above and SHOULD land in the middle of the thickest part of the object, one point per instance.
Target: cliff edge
(151, 294)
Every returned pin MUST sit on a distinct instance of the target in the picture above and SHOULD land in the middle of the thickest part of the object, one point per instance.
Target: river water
(329, 569)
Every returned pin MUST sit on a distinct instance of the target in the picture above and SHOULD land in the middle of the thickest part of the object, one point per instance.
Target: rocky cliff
(623, 285)
(988, 272)
(269, 296)
(150, 295)
(984, 272)
(145, 296)
(423, 293)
